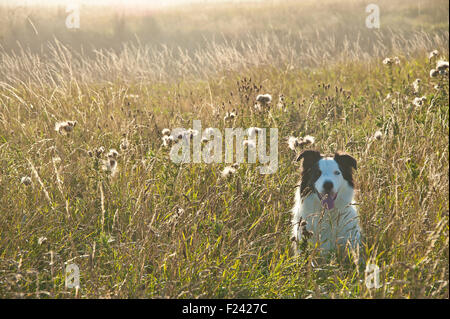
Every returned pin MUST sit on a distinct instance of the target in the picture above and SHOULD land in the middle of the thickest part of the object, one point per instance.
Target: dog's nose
(327, 186)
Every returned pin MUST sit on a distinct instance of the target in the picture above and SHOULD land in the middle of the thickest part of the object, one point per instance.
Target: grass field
(160, 229)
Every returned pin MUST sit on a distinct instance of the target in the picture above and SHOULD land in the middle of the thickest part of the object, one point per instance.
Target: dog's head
(326, 176)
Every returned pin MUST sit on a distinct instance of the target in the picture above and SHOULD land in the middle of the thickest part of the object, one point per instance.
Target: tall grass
(160, 229)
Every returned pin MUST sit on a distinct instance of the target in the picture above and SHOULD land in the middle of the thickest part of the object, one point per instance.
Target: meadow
(157, 229)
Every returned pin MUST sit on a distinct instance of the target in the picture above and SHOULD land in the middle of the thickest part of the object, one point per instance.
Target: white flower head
(387, 61)
(264, 99)
(65, 127)
(124, 144)
(416, 85)
(167, 140)
(293, 142)
(112, 153)
(441, 65)
(433, 54)
(378, 135)
(308, 139)
(433, 73)
(228, 172)
(229, 116)
(418, 101)
(26, 180)
(41, 240)
(110, 166)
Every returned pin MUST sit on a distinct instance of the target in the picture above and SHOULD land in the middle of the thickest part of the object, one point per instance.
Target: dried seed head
(99, 151)
(228, 172)
(65, 127)
(418, 101)
(264, 99)
(441, 65)
(112, 153)
(308, 140)
(433, 73)
(110, 166)
(167, 140)
(124, 144)
(387, 61)
(293, 142)
(26, 180)
(433, 54)
(41, 240)
(378, 135)
(416, 85)
(229, 116)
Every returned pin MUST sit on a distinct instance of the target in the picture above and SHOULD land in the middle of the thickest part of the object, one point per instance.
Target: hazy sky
(151, 3)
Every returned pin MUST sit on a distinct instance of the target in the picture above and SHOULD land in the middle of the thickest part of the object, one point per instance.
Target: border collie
(323, 208)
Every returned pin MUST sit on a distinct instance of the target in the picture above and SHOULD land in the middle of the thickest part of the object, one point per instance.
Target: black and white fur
(324, 200)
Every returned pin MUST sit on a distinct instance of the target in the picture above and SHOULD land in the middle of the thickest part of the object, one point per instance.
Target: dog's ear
(309, 157)
(345, 160)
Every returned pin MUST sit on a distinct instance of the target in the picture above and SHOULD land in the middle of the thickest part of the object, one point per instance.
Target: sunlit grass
(159, 229)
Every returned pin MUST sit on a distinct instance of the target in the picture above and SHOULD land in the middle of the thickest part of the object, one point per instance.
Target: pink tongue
(328, 202)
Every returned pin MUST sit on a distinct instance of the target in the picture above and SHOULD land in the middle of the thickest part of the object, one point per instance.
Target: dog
(324, 211)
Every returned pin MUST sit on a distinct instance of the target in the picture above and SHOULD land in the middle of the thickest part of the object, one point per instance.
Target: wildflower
(433, 54)
(396, 60)
(65, 127)
(442, 66)
(99, 151)
(26, 180)
(418, 101)
(190, 133)
(230, 115)
(293, 142)
(433, 73)
(167, 141)
(387, 61)
(378, 135)
(204, 139)
(416, 85)
(112, 154)
(281, 102)
(262, 101)
(165, 131)
(228, 172)
(41, 240)
(110, 166)
(308, 139)
(124, 144)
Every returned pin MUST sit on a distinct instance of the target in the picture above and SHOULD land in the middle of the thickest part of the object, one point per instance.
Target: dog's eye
(337, 173)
